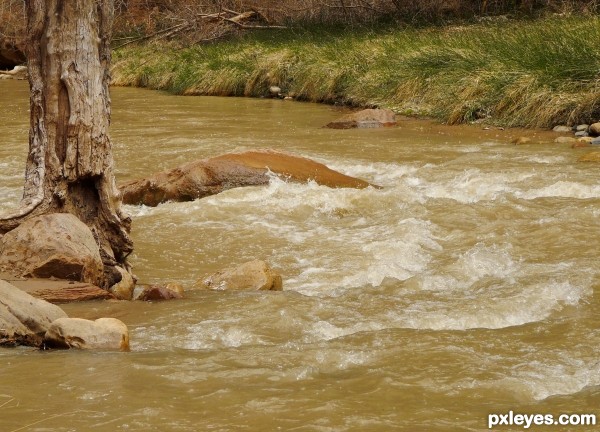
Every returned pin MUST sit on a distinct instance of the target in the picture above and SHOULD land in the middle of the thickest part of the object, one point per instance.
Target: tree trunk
(70, 166)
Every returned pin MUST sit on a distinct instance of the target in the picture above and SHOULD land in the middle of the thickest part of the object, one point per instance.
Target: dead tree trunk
(70, 165)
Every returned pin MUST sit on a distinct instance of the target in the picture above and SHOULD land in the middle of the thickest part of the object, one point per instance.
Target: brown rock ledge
(58, 291)
(207, 177)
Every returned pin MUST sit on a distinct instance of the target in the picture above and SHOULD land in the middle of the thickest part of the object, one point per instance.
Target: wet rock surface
(251, 276)
(169, 291)
(23, 318)
(56, 245)
(101, 334)
(365, 119)
(211, 176)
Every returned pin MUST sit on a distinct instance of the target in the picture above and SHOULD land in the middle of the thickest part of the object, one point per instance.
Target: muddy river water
(468, 286)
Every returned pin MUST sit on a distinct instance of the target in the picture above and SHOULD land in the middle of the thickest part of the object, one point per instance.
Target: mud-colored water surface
(468, 285)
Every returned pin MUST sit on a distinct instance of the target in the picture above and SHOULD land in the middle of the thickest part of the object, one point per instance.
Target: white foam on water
(331, 242)
(403, 254)
(487, 287)
(469, 149)
(561, 189)
(546, 160)
(344, 236)
(540, 380)
(482, 261)
(200, 335)
(471, 186)
(324, 330)
(380, 173)
(485, 310)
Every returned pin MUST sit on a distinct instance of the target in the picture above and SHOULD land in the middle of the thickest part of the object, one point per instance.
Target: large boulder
(56, 245)
(23, 318)
(103, 333)
(210, 176)
(251, 276)
(367, 118)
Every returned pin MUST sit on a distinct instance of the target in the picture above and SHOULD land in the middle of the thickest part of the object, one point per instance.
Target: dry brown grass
(143, 18)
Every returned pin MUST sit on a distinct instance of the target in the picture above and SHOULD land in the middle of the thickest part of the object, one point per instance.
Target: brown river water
(469, 285)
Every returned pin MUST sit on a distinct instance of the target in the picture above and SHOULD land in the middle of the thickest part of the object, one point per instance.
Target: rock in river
(368, 118)
(103, 333)
(565, 140)
(210, 176)
(54, 245)
(23, 318)
(562, 128)
(123, 290)
(251, 276)
(170, 291)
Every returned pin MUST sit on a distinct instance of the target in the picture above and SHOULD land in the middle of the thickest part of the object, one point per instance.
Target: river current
(467, 286)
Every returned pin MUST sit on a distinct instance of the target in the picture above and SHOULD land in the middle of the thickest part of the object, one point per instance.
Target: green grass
(518, 73)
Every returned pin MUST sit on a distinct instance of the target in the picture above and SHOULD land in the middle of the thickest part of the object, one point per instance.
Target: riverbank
(512, 73)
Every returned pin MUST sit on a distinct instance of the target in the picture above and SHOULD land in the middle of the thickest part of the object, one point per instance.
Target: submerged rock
(103, 333)
(170, 291)
(23, 318)
(251, 276)
(55, 245)
(521, 141)
(581, 144)
(562, 129)
(368, 118)
(565, 140)
(210, 176)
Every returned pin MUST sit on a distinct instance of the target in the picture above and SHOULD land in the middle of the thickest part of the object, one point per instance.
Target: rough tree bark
(69, 167)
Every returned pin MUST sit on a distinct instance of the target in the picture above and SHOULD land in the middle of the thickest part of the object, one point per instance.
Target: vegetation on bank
(533, 73)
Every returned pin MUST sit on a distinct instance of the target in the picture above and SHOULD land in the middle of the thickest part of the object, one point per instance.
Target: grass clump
(513, 73)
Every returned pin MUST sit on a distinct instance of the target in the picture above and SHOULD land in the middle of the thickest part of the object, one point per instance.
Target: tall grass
(514, 73)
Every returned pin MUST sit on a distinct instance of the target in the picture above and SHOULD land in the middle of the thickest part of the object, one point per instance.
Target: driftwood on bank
(221, 22)
(206, 177)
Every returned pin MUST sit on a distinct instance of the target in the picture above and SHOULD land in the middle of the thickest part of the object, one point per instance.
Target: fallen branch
(236, 18)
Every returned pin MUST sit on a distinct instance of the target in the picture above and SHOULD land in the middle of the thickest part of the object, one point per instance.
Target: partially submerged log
(207, 177)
